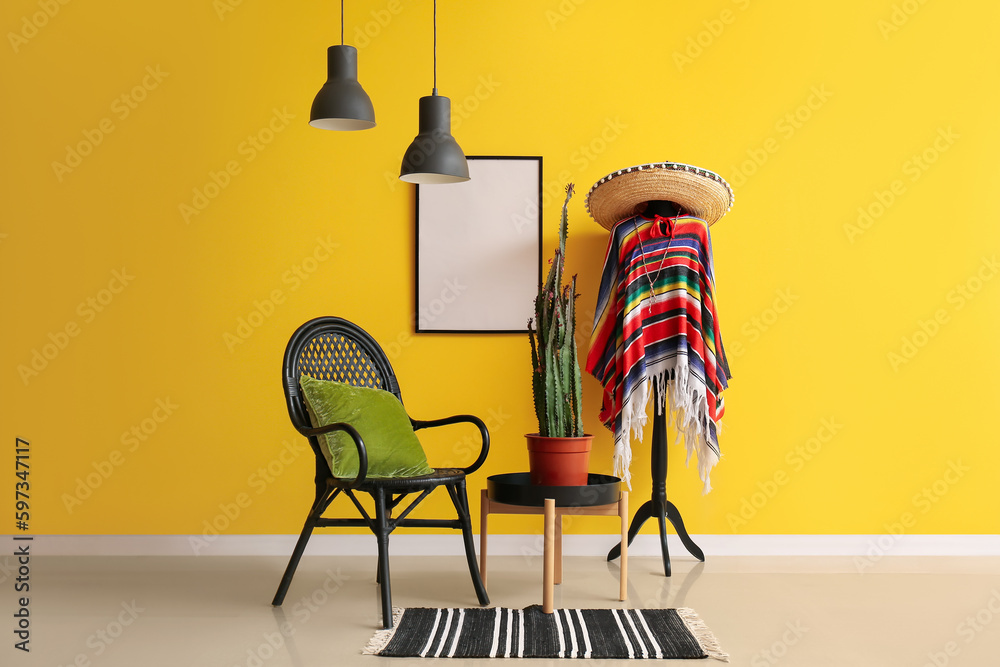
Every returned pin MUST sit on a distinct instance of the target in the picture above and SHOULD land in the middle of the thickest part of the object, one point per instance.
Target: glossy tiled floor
(215, 611)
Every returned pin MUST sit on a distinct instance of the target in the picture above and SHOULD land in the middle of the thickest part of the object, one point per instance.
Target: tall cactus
(555, 371)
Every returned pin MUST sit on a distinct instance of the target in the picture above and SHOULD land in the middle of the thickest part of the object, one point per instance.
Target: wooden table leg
(484, 512)
(559, 550)
(623, 513)
(549, 554)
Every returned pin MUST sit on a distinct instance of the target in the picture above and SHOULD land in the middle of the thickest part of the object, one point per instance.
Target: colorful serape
(669, 335)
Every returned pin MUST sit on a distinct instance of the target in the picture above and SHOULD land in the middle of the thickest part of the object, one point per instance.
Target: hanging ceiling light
(342, 104)
(434, 156)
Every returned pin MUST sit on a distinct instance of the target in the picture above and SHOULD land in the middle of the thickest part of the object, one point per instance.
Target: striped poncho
(669, 335)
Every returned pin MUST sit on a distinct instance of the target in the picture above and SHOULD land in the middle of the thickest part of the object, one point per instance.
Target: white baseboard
(515, 545)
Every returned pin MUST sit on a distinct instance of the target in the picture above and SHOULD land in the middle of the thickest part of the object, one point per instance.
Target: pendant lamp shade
(342, 104)
(434, 156)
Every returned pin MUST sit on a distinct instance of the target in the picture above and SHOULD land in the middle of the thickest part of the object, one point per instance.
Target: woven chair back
(331, 348)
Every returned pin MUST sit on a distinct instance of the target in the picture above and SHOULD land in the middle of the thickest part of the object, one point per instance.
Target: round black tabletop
(515, 488)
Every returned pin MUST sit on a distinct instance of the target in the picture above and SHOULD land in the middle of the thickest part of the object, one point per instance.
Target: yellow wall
(811, 110)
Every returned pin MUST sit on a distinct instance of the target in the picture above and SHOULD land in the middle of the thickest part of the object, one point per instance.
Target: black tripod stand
(658, 506)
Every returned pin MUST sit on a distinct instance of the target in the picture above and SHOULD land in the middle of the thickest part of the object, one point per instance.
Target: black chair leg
(323, 500)
(382, 535)
(461, 501)
(293, 562)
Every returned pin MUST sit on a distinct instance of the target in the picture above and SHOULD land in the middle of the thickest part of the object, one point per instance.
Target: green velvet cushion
(393, 448)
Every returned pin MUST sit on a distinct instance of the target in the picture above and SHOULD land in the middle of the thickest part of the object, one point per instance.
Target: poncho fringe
(688, 414)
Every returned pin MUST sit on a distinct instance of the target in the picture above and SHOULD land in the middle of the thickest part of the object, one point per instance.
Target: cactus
(555, 367)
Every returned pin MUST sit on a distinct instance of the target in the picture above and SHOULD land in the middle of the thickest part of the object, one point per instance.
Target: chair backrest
(331, 348)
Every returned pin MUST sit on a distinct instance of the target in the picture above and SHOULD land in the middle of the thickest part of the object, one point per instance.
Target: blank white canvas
(478, 248)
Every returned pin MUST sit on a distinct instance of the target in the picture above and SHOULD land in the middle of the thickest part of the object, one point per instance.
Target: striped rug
(635, 634)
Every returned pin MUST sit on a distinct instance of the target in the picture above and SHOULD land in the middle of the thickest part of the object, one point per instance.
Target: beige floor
(214, 611)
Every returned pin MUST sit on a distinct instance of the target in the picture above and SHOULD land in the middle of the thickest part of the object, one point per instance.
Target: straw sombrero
(702, 193)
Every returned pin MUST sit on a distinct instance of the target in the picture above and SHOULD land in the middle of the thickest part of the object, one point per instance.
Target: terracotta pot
(558, 461)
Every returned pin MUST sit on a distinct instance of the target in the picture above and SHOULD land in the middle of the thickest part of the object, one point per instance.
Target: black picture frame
(479, 247)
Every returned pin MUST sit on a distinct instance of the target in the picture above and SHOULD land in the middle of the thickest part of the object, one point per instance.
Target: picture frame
(478, 248)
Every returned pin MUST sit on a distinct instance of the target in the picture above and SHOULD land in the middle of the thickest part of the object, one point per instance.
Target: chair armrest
(457, 419)
(358, 442)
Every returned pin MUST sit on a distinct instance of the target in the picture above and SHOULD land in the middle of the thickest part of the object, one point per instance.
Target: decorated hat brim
(702, 193)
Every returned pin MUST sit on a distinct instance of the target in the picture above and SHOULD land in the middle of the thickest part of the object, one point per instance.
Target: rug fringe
(709, 644)
(382, 638)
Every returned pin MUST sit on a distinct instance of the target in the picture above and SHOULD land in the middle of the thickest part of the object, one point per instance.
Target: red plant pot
(558, 461)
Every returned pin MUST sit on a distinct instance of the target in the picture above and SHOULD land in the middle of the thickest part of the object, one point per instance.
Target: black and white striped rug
(656, 634)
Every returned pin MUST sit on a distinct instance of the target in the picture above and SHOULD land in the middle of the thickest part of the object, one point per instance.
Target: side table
(513, 493)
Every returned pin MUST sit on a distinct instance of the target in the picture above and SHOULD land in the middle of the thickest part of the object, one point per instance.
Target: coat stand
(658, 506)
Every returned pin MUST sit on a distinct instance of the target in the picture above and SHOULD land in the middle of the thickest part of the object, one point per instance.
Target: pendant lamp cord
(341, 22)
(435, 47)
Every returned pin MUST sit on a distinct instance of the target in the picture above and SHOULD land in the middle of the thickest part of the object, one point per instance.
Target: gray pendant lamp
(342, 104)
(434, 156)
